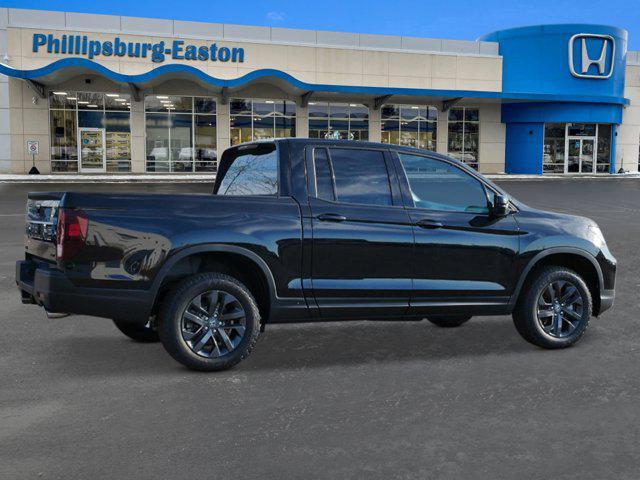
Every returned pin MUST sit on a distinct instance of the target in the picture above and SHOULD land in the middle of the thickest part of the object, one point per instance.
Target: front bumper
(606, 300)
(42, 284)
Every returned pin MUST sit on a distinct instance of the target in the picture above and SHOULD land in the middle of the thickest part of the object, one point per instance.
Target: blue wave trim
(272, 73)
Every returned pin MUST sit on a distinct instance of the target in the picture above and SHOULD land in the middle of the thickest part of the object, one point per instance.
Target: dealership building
(84, 93)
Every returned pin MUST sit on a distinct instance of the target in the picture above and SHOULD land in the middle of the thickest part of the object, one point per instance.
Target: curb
(210, 178)
(194, 178)
(562, 176)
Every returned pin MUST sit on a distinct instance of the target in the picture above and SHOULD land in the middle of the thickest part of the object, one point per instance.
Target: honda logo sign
(595, 55)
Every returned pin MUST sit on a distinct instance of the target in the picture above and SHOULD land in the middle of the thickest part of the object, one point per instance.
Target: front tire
(139, 332)
(449, 321)
(209, 322)
(555, 309)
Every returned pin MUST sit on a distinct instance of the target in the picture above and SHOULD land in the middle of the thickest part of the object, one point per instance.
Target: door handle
(331, 217)
(428, 223)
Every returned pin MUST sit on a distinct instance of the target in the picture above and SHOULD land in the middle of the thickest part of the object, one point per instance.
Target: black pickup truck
(303, 230)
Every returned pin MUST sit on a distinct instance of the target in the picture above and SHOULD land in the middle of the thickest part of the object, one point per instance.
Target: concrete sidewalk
(210, 178)
(106, 178)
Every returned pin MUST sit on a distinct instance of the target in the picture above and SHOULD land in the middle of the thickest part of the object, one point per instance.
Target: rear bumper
(48, 287)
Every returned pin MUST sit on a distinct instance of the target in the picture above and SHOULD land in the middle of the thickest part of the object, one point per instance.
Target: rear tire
(139, 332)
(449, 321)
(209, 322)
(554, 309)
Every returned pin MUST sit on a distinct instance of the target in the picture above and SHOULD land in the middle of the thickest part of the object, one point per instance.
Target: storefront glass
(554, 148)
(603, 157)
(259, 119)
(180, 133)
(340, 121)
(464, 134)
(106, 115)
(410, 125)
(576, 148)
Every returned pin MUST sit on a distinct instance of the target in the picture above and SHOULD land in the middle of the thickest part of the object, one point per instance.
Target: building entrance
(91, 150)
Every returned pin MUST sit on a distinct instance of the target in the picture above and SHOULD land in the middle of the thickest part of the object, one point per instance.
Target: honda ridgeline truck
(306, 230)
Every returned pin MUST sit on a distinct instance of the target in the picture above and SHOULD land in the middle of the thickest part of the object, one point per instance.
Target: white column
(138, 137)
(223, 139)
(628, 139)
(375, 125)
(302, 121)
(442, 131)
(492, 140)
(5, 124)
(5, 119)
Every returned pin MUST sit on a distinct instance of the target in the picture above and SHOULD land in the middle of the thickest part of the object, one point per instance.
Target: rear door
(463, 254)
(362, 238)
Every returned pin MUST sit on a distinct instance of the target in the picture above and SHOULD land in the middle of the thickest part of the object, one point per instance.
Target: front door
(580, 155)
(463, 255)
(362, 237)
(91, 150)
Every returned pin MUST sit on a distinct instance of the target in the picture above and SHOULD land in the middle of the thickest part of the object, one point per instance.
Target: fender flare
(211, 248)
(553, 251)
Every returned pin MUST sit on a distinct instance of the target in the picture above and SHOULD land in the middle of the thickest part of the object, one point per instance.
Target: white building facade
(101, 93)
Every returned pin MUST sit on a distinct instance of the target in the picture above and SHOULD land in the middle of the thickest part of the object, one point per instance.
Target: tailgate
(41, 224)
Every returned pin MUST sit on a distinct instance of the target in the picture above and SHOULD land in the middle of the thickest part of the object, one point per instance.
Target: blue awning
(64, 69)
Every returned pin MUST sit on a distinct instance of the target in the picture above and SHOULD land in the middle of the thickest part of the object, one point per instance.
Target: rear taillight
(71, 233)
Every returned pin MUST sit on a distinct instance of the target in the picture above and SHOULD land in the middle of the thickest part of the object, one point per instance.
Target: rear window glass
(253, 170)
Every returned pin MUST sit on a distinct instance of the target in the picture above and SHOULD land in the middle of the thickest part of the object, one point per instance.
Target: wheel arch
(231, 259)
(581, 261)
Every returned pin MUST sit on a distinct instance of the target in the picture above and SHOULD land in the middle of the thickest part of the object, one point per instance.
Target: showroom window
(410, 125)
(464, 135)
(259, 119)
(180, 133)
(554, 144)
(339, 121)
(576, 148)
(102, 121)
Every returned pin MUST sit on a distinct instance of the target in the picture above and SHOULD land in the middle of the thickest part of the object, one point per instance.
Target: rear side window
(360, 177)
(251, 170)
(438, 185)
(324, 175)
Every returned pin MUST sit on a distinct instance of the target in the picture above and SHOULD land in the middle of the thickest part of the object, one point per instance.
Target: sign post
(33, 148)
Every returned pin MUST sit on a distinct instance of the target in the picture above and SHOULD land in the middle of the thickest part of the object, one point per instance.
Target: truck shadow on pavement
(353, 343)
(306, 346)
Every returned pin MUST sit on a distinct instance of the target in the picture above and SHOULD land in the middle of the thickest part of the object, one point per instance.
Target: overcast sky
(454, 19)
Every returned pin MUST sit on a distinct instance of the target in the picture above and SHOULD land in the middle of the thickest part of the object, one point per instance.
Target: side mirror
(500, 206)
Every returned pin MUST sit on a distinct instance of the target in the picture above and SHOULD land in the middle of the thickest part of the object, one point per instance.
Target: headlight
(596, 235)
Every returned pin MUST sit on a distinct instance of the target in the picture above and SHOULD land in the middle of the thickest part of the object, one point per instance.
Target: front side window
(438, 185)
(464, 135)
(256, 119)
(180, 133)
(250, 170)
(410, 125)
(359, 176)
(338, 121)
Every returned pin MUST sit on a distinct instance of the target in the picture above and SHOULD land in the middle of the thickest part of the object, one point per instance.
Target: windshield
(249, 170)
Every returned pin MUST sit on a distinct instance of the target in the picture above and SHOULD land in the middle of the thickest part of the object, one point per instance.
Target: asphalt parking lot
(354, 400)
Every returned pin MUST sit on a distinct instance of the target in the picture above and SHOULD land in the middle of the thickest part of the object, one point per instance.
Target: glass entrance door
(91, 151)
(580, 155)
